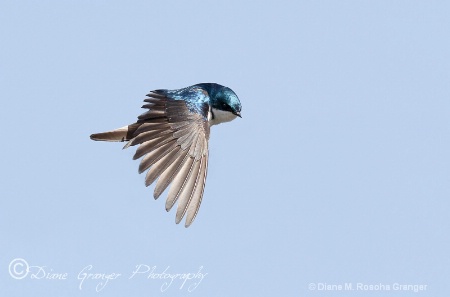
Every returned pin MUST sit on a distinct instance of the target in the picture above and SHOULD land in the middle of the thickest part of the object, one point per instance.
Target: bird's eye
(226, 107)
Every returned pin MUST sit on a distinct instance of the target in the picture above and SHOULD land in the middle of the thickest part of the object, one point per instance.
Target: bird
(172, 138)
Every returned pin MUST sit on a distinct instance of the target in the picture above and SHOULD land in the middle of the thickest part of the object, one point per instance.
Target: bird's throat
(218, 116)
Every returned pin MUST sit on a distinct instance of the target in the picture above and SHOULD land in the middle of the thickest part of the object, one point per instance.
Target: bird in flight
(173, 140)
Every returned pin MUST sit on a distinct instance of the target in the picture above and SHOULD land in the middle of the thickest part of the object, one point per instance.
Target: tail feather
(122, 134)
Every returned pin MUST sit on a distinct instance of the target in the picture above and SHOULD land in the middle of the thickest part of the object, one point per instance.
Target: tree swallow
(173, 140)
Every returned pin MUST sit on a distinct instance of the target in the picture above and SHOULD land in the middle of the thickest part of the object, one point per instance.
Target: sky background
(338, 172)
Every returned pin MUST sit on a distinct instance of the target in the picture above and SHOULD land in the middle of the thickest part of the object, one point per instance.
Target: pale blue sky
(339, 171)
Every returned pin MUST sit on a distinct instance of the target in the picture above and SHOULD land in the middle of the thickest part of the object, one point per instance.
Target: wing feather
(179, 182)
(150, 145)
(169, 174)
(187, 191)
(194, 206)
(186, 140)
(146, 127)
(146, 136)
(159, 167)
(155, 155)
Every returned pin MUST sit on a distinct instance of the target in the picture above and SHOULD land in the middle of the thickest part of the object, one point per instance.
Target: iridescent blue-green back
(199, 97)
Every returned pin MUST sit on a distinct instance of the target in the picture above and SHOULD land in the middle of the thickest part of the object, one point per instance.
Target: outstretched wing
(173, 143)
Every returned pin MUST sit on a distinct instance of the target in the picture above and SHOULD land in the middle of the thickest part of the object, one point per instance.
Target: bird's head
(226, 100)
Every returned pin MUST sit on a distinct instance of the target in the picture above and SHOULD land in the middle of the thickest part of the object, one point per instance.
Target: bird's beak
(238, 114)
